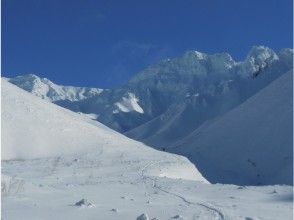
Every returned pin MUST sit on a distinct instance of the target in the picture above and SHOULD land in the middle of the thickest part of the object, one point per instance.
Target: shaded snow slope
(34, 128)
(251, 144)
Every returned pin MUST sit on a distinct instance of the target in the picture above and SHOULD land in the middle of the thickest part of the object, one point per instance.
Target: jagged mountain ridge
(48, 90)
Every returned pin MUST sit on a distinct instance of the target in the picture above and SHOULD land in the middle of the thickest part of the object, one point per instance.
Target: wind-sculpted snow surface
(251, 144)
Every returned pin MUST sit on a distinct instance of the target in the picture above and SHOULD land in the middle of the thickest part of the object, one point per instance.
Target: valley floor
(124, 188)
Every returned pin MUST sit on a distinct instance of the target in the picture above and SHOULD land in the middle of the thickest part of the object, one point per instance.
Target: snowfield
(57, 164)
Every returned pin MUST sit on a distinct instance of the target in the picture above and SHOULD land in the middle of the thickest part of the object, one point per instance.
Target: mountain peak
(195, 55)
(50, 91)
(258, 58)
(261, 54)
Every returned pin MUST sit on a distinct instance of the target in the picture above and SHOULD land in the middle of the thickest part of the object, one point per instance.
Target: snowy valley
(217, 143)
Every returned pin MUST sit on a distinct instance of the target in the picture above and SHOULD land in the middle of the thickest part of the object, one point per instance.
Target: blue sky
(102, 43)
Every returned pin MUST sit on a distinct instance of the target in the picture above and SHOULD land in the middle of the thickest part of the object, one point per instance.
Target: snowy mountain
(57, 164)
(251, 144)
(194, 88)
(195, 83)
(46, 89)
(165, 103)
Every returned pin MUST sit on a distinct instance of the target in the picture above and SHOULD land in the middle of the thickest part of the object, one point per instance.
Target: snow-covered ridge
(198, 63)
(259, 58)
(48, 90)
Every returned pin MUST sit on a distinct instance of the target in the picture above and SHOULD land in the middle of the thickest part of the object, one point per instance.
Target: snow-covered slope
(251, 144)
(63, 165)
(33, 128)
(46, 89)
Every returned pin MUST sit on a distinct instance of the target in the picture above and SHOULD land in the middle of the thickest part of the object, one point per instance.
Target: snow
(158, 91)
(143, 217)
(199, 55)
(91, 115)
(45, 130)
(57, 164)
(48, 90)
(258, 58)
(224, 85)
(129, 104)
(251, 144)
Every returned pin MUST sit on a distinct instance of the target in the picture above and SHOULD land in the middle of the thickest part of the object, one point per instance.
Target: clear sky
(102, 43)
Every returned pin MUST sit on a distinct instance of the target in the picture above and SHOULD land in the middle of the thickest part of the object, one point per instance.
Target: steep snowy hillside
(251, 144)
(33, 128)
(46, 89)
(57, 164)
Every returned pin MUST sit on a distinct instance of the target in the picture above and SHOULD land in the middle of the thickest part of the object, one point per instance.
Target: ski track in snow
(217, 213)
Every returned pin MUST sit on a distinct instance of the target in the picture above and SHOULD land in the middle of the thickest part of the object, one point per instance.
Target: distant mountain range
(168, 103)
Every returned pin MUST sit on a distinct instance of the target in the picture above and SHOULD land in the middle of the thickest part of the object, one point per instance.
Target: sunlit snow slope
(33, 128)
(251, 144)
